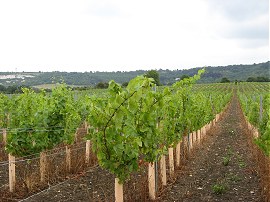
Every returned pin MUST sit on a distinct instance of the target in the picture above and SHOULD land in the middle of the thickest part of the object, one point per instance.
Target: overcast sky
(112, 35)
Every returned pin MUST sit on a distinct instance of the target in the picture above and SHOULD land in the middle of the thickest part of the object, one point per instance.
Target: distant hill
(213, 74)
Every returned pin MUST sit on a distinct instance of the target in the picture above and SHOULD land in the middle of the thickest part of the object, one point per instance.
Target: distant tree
(2, 88)
(102, 85)
(262, 79)
(258, 79)
(125, 84)
(184, 77)
(155, 75)
(225, 80)
(251, 79)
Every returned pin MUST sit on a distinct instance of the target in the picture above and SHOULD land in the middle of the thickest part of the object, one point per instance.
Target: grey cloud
(247, 21)
(248, 36)
(248, 31)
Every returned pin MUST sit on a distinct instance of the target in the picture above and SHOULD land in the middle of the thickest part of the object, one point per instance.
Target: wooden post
(87, 151)
(190, 141)
(256, 133)
(249, 126)
(12, 175)
(42, 163)
(85, 125)
(199, 136)
(202, 133)
(171, 162)
(163, 170)
(209, 126)
(119, 194)
(194, 138)
(4, 130)
(151, 181)
(186, 146)
(178, 146)
(68, 159)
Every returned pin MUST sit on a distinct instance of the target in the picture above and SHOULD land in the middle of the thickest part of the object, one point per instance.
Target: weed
(226, 160)
(234, 178)
(242, 164)
(219, 188)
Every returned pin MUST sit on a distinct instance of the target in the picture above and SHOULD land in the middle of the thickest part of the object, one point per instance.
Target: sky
(125, 35)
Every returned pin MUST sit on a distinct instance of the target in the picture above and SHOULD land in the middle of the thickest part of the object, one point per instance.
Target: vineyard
(137, 138)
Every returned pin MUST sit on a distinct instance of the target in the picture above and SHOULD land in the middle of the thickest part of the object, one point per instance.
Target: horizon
(136, 70)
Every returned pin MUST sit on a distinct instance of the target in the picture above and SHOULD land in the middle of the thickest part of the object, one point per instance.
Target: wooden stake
(68, 159)
(171, 162)
(87, 151)
(190, 137)
(85, 125)
(194, 137)
(199, 136)
(42, 166)
(4, 136)
(204, 132)
(185, 146)
(178, 154)
(12, 175)
(119, 194)
(256, 133)
(151, 181)
(163, 170)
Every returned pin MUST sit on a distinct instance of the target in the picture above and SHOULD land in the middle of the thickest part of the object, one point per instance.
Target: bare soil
(222, 168)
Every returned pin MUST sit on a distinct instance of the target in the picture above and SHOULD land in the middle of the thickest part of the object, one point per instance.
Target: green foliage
(39, 122)
(4, 108)
(250, 95)
(138, 123)
(128, 125)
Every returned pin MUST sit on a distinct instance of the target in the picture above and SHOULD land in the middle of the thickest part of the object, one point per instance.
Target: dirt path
(222, 168)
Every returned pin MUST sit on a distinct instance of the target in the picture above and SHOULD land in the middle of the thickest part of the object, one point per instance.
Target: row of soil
(222, 169)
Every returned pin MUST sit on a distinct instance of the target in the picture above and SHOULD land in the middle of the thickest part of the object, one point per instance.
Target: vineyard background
(203, 102)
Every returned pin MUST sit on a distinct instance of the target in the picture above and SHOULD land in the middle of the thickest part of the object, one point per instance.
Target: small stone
(252, 192)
